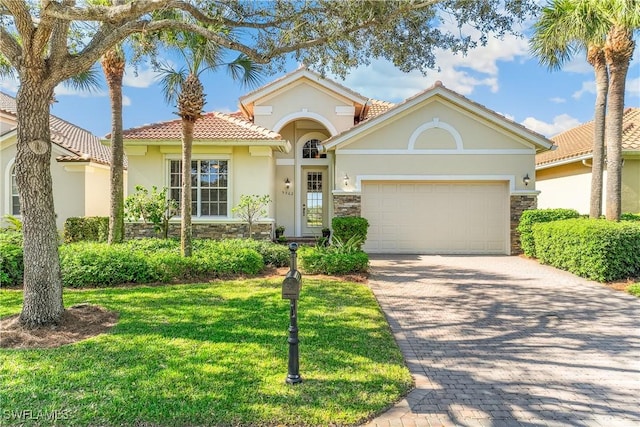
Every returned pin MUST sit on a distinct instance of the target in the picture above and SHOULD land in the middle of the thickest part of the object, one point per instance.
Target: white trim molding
(511, 179)
(497, 151)
(304, 114)
(435, 124)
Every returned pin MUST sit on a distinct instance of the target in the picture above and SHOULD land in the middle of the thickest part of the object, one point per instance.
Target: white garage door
(436, 217)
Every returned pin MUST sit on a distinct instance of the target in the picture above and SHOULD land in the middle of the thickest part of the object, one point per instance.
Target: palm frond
(171, 81)
(86, 81)
(245, 70)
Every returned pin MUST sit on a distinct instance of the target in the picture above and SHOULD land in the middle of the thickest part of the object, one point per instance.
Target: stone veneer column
(519, 204)
(346, 204)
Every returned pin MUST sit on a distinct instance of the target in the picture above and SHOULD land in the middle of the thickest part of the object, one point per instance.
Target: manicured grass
(211, 354)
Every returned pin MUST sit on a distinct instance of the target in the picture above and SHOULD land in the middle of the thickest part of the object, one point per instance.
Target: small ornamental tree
(152, 207)
(252, 208)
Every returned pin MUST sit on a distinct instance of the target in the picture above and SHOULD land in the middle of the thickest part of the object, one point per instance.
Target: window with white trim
(15, 197)
(209, 186)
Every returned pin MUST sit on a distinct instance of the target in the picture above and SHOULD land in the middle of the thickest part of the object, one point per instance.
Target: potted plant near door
(279, 231)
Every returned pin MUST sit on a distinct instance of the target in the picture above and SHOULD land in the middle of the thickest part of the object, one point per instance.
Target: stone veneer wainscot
(219, 231)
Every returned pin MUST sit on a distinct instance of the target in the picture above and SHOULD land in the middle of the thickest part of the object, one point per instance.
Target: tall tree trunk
(596, 58)
(113, 66)
(185, 200)
(42, 280)
(619, 50)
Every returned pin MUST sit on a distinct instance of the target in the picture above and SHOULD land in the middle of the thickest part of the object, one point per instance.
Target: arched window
(310, 150)
(15, 198)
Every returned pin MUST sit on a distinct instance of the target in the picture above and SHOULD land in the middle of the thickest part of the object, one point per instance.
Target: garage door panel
(436, 217)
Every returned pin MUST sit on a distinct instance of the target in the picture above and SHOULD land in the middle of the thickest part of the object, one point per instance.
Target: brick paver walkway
(504, 341)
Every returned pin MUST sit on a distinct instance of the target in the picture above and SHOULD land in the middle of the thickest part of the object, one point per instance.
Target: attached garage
(437, 174)
(436, 217)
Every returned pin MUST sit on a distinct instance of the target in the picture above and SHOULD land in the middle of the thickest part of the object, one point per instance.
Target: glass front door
(313, 202)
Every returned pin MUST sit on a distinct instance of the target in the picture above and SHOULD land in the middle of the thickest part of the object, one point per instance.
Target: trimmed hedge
(320, 260)
(346, 227)
(91, 228)
(11, 258)
(153, 260)
(592, 248)
(535, 216)
(630, 217)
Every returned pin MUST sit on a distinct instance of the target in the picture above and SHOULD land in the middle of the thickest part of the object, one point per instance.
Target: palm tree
(623, 17)
(113, 64)
(565, 27)
(184, 86)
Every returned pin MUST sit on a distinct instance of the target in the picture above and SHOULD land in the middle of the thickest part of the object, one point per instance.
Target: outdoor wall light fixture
(526, 179)
(287, 183)
(346, 179)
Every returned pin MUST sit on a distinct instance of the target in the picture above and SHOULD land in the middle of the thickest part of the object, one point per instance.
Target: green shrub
(332, 260)
(272, 253)
(11, 258)
(344, 228)
(630, 217)
(534, 216)
(592, 248)
(634, 289)
(91, 228)
(153, 260)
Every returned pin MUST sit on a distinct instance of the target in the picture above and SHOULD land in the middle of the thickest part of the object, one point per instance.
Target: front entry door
(314, 206)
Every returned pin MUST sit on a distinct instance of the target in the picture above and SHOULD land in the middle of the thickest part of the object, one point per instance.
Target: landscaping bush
(592, 248)
(344, 228)
(534, 216)
(153, 260)
(333, 260)
(272, 254)
(630, 217)
(11, 258)
(80, 229)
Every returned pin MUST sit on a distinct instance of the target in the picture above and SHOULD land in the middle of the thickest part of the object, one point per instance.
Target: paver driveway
(504, 341)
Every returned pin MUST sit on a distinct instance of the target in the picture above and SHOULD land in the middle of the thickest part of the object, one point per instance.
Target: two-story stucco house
(436, 173)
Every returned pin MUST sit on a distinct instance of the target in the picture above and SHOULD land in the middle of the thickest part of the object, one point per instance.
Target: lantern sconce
(346, 180)
(287, 183)
(526, 179)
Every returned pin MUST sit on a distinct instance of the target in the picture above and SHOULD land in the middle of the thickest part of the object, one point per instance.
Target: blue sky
(501, 76)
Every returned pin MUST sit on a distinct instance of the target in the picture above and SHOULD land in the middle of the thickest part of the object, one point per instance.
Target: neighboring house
(564, 175)
(436, 173)
(79, 168)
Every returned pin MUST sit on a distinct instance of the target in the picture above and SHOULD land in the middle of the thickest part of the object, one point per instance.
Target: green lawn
(210, 354)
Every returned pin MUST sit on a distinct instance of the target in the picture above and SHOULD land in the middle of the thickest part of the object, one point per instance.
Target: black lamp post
(291, 291)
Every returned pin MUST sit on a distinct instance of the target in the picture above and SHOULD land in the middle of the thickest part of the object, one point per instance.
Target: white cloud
(560, 124)
(143, 77)
(587, 87)
(462, 74)
(633, 88)
(578, 64)
(10, 84)
(66, 90)
(126, 101)
(558, 100)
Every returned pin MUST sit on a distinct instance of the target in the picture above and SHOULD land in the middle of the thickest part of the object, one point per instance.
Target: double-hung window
(209, 186)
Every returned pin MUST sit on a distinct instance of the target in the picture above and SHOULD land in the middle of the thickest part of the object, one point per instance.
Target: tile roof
(211, 126)
(578, 141)
(82, 143)
(377, 107)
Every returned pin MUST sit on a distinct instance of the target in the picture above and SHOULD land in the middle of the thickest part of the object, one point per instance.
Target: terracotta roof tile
(377, 107)
(578, 141)
(216, 126)
(79, 141)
